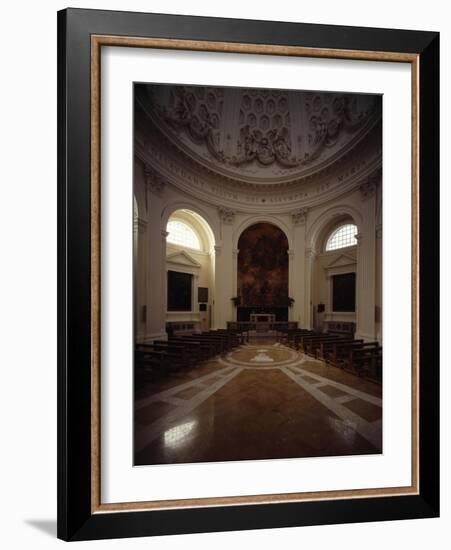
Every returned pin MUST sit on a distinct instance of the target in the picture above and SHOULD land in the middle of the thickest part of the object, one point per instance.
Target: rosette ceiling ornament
(261, 135)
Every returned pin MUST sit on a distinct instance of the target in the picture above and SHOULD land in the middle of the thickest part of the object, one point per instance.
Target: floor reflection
(174, 437)
(227, 410)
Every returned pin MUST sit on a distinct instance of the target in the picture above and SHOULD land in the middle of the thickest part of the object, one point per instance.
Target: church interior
(257, 274)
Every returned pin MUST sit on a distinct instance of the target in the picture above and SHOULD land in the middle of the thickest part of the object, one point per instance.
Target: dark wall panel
(263, 266)
(179, 291)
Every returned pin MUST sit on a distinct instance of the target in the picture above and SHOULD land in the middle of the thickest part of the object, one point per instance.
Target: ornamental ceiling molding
(163, 149)
(267, 148)
(277, 202)
(212, 189)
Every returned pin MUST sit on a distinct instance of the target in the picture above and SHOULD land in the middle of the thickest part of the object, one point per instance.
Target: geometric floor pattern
(257, 402)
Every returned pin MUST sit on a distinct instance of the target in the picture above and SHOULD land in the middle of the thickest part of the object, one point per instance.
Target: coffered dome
(260, 136)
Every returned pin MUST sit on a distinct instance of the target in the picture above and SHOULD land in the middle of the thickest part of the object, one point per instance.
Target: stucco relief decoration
(227, 216)
(329, 117)
(369, 186)
(264, 148)
(198, 112)
(265, 133)
(154, 180)
(299, 217)
(264, 120)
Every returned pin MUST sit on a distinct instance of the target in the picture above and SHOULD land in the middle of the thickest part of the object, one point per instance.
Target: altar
(262, 320)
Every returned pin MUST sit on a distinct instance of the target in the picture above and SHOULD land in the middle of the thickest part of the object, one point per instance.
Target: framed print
(248, 274)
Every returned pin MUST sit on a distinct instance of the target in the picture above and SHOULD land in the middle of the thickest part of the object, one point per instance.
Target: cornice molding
(276, 199)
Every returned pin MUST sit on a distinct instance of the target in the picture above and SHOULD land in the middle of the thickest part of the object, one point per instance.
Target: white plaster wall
(220, 230)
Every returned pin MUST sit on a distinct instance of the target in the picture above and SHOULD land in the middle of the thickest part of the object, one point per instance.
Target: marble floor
(260, 401)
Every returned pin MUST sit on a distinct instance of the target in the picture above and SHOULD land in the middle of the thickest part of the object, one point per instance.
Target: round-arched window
(342, 237)
(182, 234)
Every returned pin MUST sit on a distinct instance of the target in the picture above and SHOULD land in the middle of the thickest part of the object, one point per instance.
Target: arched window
(182, 234)
(343, 236)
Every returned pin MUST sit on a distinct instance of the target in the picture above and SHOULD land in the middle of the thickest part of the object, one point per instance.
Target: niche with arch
(189, 266)
(334, 281)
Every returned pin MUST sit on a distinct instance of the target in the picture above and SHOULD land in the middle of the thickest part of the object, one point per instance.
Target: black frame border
(75, 520)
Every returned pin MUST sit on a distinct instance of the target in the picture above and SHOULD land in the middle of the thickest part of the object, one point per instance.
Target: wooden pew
(178, 350)
(152, 364)
(207, 344)
(309, 343)
(233, 338)
(195, 348)
(366, 361)
(321, 347)
(294, 339)
(339, 353)
(326, 347)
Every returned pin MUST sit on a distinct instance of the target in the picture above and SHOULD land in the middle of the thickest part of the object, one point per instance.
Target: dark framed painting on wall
(225, 187)
(344, 292)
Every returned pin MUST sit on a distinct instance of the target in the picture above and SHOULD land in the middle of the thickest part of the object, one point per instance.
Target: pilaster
(297, 278)
(366, 262)
(309, 257)
(156, 273)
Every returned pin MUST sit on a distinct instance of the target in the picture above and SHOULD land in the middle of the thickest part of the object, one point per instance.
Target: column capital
(310, 253)
(218, 249)
(154, 180)
(141, 225)
(299, 216)
(369, 186)
(290, 252)
(226, 215)
(164, 234)
(235, 252)
(379, 231)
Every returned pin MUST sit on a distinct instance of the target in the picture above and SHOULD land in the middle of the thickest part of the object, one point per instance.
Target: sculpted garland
(263, 139)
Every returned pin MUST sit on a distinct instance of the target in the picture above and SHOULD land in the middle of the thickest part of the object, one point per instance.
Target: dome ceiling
(260, 136)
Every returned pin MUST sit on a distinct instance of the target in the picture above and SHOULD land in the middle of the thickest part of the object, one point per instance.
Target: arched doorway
(262, 272)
